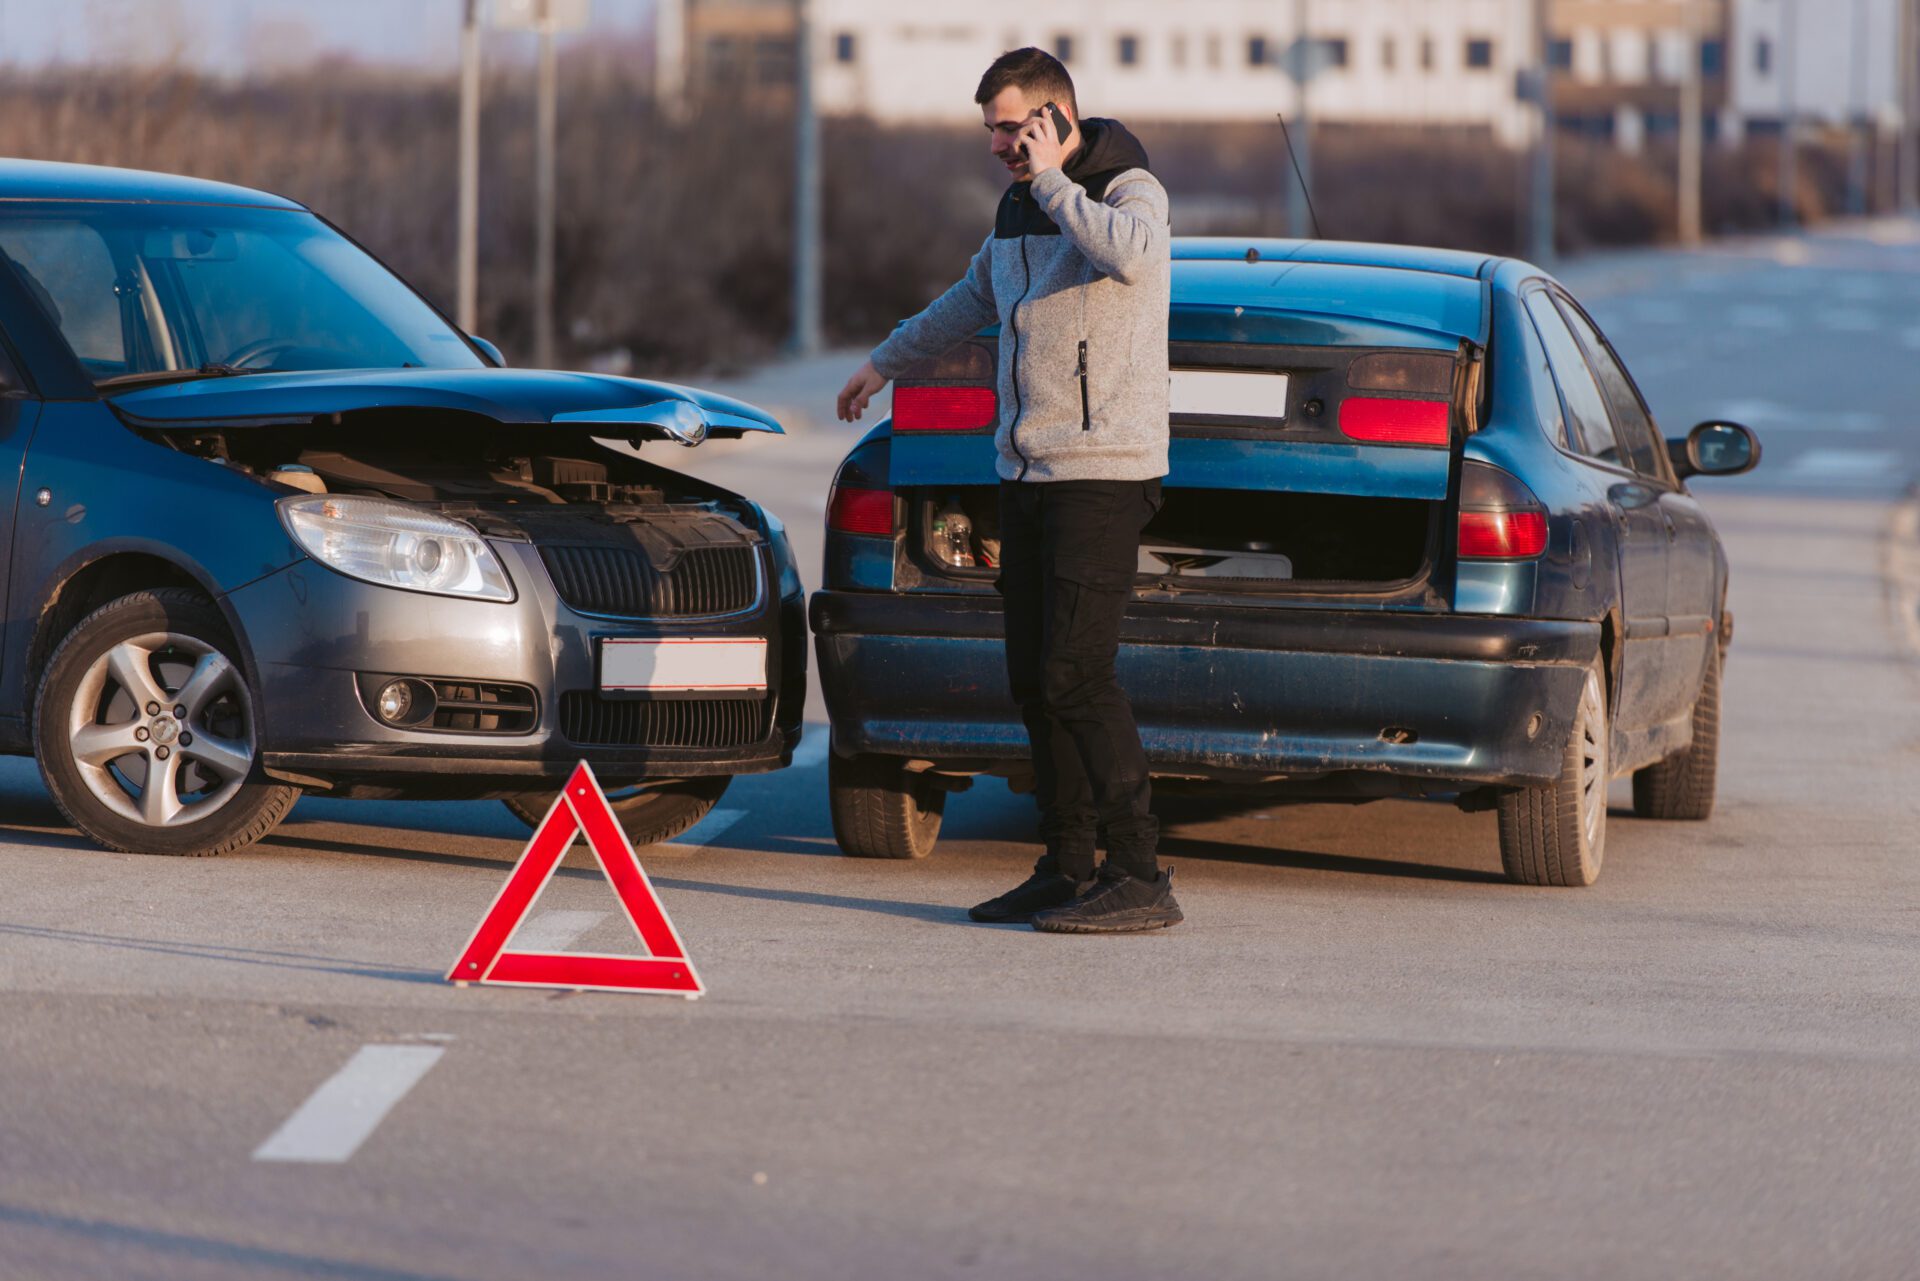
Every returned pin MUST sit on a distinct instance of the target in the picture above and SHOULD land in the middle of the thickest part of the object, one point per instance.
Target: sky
(238, 37)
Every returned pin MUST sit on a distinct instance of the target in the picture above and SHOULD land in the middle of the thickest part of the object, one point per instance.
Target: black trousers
(1068, 553)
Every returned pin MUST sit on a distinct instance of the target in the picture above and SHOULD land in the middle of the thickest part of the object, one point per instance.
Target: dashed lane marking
(1876, 466)
(349, 1105)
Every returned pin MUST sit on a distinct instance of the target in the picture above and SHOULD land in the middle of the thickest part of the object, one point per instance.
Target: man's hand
(862, 387)
(1042, 145)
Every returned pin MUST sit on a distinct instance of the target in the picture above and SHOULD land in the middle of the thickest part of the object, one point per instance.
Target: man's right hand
(862, 387)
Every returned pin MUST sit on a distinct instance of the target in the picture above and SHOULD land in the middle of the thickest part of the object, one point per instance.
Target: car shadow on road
(936, 913)
(1176, 846)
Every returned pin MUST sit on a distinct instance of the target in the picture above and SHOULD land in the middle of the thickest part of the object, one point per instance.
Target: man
(1076, 272)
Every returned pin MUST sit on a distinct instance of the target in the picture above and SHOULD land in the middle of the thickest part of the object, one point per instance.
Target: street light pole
(1541, 250)
(1789, 108)
(467, 255)
(1299, 207)
(1690, 128)
(546, 128)
(1909, 78)
(806, 189)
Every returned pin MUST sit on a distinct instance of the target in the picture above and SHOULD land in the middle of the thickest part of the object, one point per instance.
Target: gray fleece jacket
(1077, 273)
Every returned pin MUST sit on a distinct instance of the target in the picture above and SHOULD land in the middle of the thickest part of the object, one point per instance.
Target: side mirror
(1715, 449)
(492, 352)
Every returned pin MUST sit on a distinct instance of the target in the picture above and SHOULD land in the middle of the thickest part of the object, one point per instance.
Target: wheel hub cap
(164, 730)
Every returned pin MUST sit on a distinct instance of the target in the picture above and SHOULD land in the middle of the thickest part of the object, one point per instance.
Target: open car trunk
(1294, 470)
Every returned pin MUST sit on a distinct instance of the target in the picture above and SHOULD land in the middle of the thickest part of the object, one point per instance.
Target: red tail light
(1394, 422)
(944, 408)
(861, 511)
(1509, 535)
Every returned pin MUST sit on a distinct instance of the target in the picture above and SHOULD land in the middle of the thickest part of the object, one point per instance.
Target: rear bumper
(1232, 693)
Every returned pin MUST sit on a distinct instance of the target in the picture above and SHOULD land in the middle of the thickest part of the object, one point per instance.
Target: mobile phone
(1062, 127)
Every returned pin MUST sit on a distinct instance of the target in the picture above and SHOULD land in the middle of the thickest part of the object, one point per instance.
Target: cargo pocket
(1084, 609)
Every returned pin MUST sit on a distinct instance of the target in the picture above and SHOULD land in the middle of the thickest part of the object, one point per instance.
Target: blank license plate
(734, 667)
(1228, 393)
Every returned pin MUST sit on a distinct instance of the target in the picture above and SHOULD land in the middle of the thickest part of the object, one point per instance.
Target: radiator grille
(621, 582)
(587, 718)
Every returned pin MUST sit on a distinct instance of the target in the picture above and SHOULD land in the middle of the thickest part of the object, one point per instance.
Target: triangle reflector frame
(581, 807)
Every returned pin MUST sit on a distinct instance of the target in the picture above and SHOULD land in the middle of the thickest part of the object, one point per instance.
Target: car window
(1586, 406)
(1632, 426)
(1546, 396)
(139, 290)
(70, 273)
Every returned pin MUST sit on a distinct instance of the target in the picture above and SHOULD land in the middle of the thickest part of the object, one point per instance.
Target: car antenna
(1302, 178)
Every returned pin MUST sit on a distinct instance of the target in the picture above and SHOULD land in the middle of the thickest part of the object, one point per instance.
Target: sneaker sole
(1155, 919)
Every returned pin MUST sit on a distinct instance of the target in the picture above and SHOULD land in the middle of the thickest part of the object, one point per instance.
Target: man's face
(1004, 114)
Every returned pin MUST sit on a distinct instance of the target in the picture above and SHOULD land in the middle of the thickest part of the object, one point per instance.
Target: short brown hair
(1034, 72)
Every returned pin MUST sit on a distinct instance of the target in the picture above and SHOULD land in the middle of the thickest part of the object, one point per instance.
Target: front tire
(1681, 787)
(880, 809)
(1556, 833)
(145, 730)
(648, 814)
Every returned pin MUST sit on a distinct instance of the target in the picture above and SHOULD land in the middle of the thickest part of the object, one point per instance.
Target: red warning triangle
(581, 807)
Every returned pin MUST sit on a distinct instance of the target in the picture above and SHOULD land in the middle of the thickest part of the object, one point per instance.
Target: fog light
(395, 701)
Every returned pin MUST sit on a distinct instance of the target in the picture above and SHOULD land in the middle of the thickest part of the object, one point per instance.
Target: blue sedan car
(1421, 538)
(281, 527)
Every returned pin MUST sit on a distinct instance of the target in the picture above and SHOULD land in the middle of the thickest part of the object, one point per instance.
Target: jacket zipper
(1019, 403)
(1086, 416)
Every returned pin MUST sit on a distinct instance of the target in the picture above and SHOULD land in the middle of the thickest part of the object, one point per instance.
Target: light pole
(1688, 219)
(1789, 109)
(1304, 65)
(806, 189)
(467, 255)
(545, 131)
(1541, 250)
(1909, 78)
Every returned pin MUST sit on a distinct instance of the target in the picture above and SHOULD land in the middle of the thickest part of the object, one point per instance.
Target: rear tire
(648, 815)
(1556, 833)
(145, 730)
(880, 810)
(1681, 787)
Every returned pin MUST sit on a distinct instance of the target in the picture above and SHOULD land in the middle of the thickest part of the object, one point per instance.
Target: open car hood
(625, 406)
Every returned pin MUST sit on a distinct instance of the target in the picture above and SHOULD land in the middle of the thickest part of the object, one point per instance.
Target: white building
(1617, 64)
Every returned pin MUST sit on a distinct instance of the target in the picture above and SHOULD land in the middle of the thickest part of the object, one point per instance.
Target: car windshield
(154, 292)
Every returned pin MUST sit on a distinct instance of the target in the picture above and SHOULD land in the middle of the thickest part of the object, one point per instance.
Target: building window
(1213, 51)
(1426, 53)
(1387, 52)
(1333, 51)
(773, 60)
(845, 47)
(1256, 51)
(1763, 56)
(1178, 49)
(1479, 54)
(1063, 47)
(1713, 57)
(1128, 50)
(1560, 55)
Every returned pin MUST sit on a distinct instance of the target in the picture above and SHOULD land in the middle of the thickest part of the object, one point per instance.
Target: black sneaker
(1116, 903)
(1038, 892)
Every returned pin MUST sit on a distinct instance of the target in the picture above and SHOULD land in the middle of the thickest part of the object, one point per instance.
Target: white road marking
(710, 829)
(1876, 465)
(553, 929)
(349, 1105)
(1846, 320)
(1774, 416)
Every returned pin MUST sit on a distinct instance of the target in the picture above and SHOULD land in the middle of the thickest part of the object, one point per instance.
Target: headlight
(394, 545)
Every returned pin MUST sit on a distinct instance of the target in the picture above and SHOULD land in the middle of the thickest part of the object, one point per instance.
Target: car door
(1691, 571)
(1634, 504)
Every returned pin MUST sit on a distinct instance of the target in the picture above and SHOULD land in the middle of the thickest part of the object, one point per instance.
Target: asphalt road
(1363, 1056)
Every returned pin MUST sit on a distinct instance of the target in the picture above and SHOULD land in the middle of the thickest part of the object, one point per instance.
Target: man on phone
(1076, 272)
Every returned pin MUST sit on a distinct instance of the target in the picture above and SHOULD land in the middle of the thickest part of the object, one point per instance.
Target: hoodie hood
(1106, 148)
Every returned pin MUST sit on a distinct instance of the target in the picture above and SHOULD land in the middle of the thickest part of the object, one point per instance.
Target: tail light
(1500, 519)
(861, 501)
(860, 511)
(952, 392)
(1380, 420)
(944, 408)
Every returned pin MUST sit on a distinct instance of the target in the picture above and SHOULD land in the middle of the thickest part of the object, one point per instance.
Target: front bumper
(1237, 693)
(311, 632)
